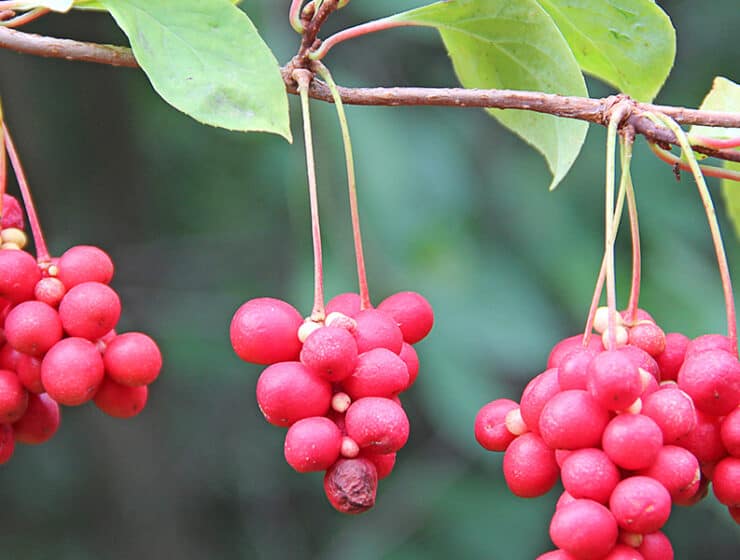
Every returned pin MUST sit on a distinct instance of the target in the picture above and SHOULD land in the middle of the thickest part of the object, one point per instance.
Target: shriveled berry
(378, 425)
(119, 400)
(312, 444)
(72, 371)
(350, 485)
(632, 441)
(19, 274)
(265, 331)
(490, 425)
(13, 397)
(640, 504)
(670, 360)
(289, 391)
(330, 352)
(132, 359)
(536, 395)
(32, 327)
(572, 420)
(613, 380)
(678, 470)
(84, 263)
(589, 473)
(376, 329)
(379, 373)
(40, 422)
(89, 310)
(348, 304)
(412, 312)
(712, 380)
(530, 468)
(656, 546)
(585, 529)
(7, 443)
(672, 410)
(726, 481)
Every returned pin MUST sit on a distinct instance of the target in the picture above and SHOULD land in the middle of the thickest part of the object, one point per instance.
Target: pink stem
(708, 170)
(26, 17)
(294, 15)
(634, 300)
(716, 143)
(356, 31)
(42, 253)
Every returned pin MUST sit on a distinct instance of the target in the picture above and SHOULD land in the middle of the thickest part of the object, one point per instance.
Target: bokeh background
(199, 220)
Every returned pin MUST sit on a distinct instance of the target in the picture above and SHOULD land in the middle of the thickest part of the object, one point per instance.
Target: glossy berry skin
(84, 263)
(351, 485)
(673, 411)
(383, 463)
(640, 504)
(704, 441)
(573, 368)
(265, 331)
(613, 380)
(72, 371)
(50, 290)
(132, 359)
(19, 274)
(376, 329)
(28, 370)
(648, 336)
(89, 310)
(378, 425)
(678, 470)
(7, 443)
(312, 444)
(556, 555)
(40, 422)
(330, 352)
(585, 529)
(589, 473)
(656, 546)
(530, 468)
(411, 359)
(632, 441)
(726, 481)
(707, 342)
(289, 391)
(490, 425)
(32, 327)
(13, 397)
(119, 400)
(567, 345)
(536, 395)
(379, 373)
(412, 312)
(623, 552)
(712, 380)
(670, 360)
(730, 432)
(572, 420)
(348, 304)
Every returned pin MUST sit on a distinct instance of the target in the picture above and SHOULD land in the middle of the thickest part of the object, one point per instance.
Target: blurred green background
(199, 220)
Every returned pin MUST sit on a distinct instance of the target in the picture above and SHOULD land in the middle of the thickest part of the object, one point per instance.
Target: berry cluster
(335, 383)
(58, 344)
(628, 431)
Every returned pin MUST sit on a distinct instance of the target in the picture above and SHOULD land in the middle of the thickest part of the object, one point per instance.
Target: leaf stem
(42, 253)
(294, 16)
(706, 198)
(356, 31)
(708, 170)
(626, 179)
(25, 17)
(303, 77)
(716, 143)
(365, 302)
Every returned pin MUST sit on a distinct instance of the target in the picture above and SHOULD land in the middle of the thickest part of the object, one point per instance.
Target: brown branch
(582, 108)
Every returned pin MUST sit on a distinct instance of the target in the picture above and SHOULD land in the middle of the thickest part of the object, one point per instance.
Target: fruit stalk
(356, 31)
(626, 145)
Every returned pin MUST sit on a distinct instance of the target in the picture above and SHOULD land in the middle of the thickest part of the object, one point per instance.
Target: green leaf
(206, 58)
(513, 45)
(629, 44)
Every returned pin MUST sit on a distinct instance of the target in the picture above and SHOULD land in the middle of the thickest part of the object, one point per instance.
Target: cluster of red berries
(57, 339)
(334, 384)
(628, 431)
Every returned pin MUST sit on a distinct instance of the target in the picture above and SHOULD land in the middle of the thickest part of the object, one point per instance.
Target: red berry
(288, 392)
(132, 359)
(32, 327)
(567, 345)
(640, 504)
(564, 499)
(709, 342)
(84, 263)
(119, 400)
(9, 357)
(712, 380)
(19, 274)
(656, 546)
(350, 485)
(379, 373)
(572, 420)
(632, 441)
(670, 360)
(13, 397)
(673, 411)
(378, 425)
(704, 441)
(584, 528)
(72, 371)
(7, 443)
(536, 395)
(613, 380)
(676, 469)
(730, 432)
(383, 463)
(348, 304)
(589, 473)
(312, 444)
(89, 310)
(411, 359)
(530, 468)
(50, 290)
(28, 369)
(648, 336)
(40, 422)
(330, 352)
(12, 213)
(641, 359)
(623, 552)
(573, 368)
(490, 425)
(556, 555)
(412, 313)
(726, 481)
(376, 329)
(265, 331)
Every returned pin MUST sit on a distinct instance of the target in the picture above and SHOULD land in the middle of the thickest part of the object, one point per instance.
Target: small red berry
(411, 359)
(13, 397)
(72, 371)
(50, 290)
(378, 425)
(265, 331)
(572, 420)
(376, 329)
(632, 441)
(567, 345)
(640, 504)
(730, 432)
(613, 380)
(412, 312)
(330, 352)
(712, 379)
(589, 473)
(670, 360)
(12, 213)
(536, 395)
(119, 400)
(530, 468)
(312, 444)
(347, 304)
(28, 369)
(379, 373)
(678, 470)
(648, 336)
(89, 310)
(40, 422)
(656, 546)
(673, 411)
(726, 481)
(84, 263)
(32, 327)
(490, 425)
(585, 529)
(132, 359)
(19, 274)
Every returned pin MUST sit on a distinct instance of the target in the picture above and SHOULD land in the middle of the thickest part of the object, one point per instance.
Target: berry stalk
(708, 170)
(356, 31)
(706, 198)
(352, 186)
(303, 77)
(294, 15)
(24, 18)
(42, 252)
(626, 145)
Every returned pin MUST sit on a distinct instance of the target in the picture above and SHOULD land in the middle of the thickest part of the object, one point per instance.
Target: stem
(352, 187)
(356, 31)
(719, 249)
(708, 170)
(632, 306)
(25, 17)
(42, 253)
(303, 77)
(294, 15)
(716, 143)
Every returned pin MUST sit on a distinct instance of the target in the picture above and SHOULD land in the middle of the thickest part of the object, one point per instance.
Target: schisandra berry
(572, 420)
(556, 555)
(89, 310)
(84, 263)
(640, 504)
(376, 329)
(584, 528)
(641, 359)
(312, 444)
(632, 441)
(411, 359)
(613, 380)
(350, 485)
(40, 421)
(289, 391)
(573, 368)
(348, 304)
(132, 359)
(383, 463)
(726, 481)
(707, 342)
(712, 380)
(72, 371)
(670, 360)
(648, 336)
(19, 274)
(530, 468)
(412, 312)
(623, 552)
(490, 425)
(12, 213)
(672, 410)
(7, 443)
(265, 331)
(567, 345)
(656, 546)
(589, 473)
(536, 395)
(330, 352)
(13, 397)
(676, 469)
(120, 401)
(377, 424)
(704, 441)
(730, 432)
(28, 369)
(50, 290)
(32, 327)
(379, 373)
